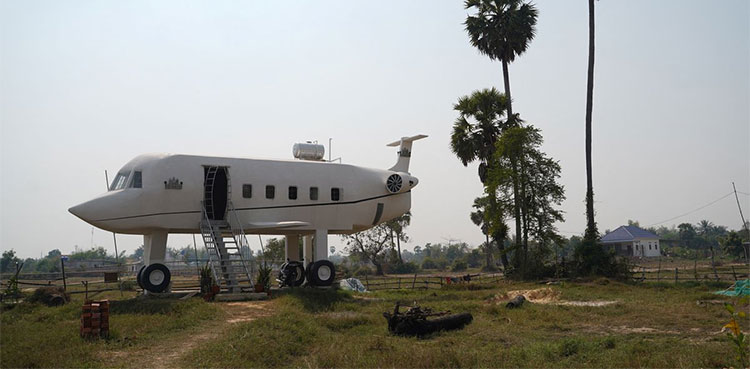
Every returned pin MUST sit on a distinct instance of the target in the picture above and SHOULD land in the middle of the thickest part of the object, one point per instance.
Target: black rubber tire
(300, 273)
(312, 273)
(161, 287)
(138, 277)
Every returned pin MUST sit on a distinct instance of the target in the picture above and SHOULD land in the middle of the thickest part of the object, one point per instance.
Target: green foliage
(459, 266)
(501, 29)
(408, 267)
(8, 261)
(370, 245)
(591, 259)
(264, 276)
(570, 347)
(732, 245)
(735, 334)
(49, 296)
(275, 250)
(435, 263)
(207, 279)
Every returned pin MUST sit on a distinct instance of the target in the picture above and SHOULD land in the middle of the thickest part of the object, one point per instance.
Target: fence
(721, 273)
(424, 281)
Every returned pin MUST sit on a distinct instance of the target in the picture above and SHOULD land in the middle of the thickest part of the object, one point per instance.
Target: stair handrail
(207, 222)
(238, 232)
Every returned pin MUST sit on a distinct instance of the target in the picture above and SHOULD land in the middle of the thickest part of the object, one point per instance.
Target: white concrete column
(321, 244)
(291, 249)
(307, 249)
(154, 247)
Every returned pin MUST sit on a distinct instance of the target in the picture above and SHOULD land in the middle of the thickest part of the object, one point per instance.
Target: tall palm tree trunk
(511, 119)
(591, 232)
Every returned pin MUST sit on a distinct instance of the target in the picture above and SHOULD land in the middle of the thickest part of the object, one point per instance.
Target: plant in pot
(209, 289)
(263, 282)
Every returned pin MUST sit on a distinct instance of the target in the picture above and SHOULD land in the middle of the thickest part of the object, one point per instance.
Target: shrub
(430, 263)
(408, 267)
(569, 347)
(459, 266)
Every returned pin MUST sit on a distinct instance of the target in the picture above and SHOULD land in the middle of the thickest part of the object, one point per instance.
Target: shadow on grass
(316, 300)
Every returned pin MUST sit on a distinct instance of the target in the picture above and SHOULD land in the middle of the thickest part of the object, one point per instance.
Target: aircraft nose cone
(82, 211)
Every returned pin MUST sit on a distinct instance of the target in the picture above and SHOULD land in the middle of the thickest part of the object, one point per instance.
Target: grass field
(650, 325)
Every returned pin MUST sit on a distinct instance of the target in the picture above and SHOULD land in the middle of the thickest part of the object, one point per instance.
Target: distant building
(632, 241)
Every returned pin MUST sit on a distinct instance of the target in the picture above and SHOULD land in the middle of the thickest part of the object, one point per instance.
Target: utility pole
(744, 224)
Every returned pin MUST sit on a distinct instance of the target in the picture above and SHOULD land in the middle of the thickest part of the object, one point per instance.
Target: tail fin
(404, 152)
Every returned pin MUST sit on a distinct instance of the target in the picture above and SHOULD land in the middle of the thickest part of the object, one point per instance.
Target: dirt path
(167, 354)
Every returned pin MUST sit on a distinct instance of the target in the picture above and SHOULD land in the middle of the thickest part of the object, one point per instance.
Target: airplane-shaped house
(226, 198)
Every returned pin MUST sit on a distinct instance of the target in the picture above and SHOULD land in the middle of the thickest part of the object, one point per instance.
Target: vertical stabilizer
(404, 152)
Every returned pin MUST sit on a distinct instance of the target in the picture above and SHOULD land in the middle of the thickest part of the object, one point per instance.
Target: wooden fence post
(367, 282)
(643, 274)
(734, 274)
(399, 282)
(414, 281)
(675, 275)
(658, 271)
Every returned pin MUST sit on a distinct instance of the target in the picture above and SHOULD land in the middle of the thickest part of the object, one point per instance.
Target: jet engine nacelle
(400, 182)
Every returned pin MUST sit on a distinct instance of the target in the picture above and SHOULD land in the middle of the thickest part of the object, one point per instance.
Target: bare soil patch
(547, 296)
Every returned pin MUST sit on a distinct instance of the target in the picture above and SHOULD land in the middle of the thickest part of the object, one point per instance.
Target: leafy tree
(520, 161)
(502, 30)
(54, 253)
(687, 235)
(8, 261)
(481, 218)
(732, 245)
(397, 226)
(275, 249)
(370, 245)
(475, 133)
(592, 233)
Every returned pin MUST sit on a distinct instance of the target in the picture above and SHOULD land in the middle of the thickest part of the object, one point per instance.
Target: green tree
(592, 233)
(275, 249)
(370, 245)
(397, 226)
(732, 245)
(480, 218)
(475, 133)
(54, 253)
(519, 160)
(8, 261)
(502, 30)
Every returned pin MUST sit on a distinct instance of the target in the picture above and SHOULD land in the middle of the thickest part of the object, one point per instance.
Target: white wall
(647, 247)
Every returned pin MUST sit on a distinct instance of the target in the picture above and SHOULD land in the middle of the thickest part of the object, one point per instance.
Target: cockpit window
(137, 180)
(120, 181)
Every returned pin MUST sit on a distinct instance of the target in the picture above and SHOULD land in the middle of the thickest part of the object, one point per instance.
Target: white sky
(87, 85)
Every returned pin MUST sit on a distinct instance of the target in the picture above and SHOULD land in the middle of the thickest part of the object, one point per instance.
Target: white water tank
(309, 151)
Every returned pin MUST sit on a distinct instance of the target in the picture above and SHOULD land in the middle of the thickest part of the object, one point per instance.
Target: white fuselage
(172, 190)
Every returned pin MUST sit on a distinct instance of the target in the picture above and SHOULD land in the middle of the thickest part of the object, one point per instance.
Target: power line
(693, 211)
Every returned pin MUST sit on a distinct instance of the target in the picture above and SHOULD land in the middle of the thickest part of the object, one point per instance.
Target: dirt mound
(545, 295)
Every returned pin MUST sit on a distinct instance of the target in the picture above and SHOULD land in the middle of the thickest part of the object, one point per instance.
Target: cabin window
(247, 191)
(335, 194)
(270, 192)
(292, 192)
(137, 180)
(120, 181)
(314, 193)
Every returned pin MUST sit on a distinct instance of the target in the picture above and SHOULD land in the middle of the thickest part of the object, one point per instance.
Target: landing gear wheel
(321, 273)
(292, 274)
(155, 278)
(138, 277)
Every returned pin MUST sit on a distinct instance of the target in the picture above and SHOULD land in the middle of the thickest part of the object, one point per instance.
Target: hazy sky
(87, 85)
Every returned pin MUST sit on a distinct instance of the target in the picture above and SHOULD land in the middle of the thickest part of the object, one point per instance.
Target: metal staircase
(224, 240)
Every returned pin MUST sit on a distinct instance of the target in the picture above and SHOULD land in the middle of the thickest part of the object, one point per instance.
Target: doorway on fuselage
(215, 191)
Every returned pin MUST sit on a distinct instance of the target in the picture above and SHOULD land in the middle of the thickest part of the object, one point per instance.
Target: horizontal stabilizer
(406, 139)
(278, 225)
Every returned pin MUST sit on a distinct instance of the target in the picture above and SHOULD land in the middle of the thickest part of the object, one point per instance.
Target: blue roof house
(632, 241)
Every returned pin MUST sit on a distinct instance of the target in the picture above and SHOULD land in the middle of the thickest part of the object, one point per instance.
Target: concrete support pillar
(154, 247)
(321, 244)
(291, 249)
(307, 249)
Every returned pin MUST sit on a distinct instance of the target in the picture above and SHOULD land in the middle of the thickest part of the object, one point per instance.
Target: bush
(430, 263)
(408, 267)
(591, 259)
(459, 266)
(50, 296)
(569, 347)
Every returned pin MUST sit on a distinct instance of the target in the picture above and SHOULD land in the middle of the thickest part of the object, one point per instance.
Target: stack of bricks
(95, 319)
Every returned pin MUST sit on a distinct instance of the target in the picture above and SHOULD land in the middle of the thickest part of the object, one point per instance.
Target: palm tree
(478, 127)
(478, 218)
(591, 234)
(502, 30)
